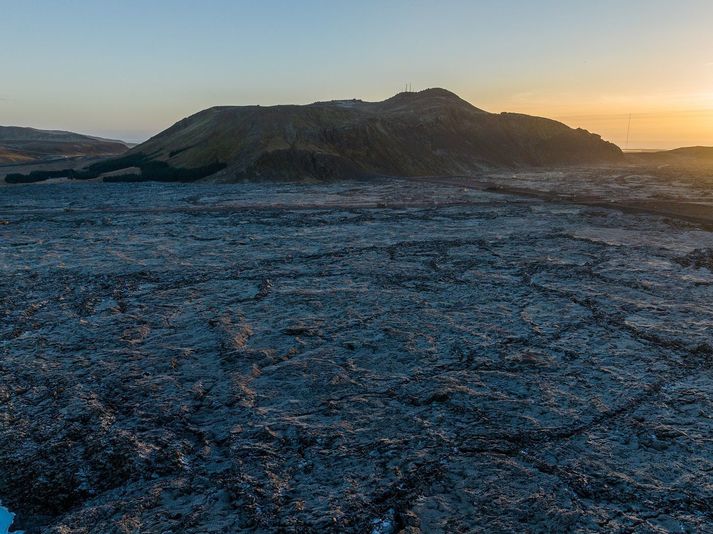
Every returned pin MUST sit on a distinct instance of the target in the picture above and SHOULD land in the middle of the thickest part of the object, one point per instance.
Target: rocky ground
(361, 357)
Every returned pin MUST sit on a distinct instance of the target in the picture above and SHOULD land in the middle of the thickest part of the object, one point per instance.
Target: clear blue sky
(131, 68)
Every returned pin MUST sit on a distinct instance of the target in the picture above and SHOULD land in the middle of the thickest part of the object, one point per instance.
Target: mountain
(27, 145)
(428, 133)
(432, 132)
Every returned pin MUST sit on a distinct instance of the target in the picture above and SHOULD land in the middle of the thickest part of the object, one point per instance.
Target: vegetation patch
(158, 171)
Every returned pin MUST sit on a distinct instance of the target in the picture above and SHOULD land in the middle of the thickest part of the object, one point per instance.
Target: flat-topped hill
(431, 132)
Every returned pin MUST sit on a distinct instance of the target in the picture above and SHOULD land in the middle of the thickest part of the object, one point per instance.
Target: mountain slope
(24, 145)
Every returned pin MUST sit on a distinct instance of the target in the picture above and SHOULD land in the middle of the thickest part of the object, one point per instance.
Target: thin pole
(628, 130)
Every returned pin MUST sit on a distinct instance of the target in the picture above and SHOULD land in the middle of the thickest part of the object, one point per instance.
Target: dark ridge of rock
(698, 259)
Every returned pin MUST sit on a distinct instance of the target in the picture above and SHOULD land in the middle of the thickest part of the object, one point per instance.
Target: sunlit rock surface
(362, 357)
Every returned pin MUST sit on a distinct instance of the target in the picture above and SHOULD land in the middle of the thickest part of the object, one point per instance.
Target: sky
(129, 69)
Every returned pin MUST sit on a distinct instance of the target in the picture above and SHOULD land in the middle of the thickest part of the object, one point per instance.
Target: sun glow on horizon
(658, 120)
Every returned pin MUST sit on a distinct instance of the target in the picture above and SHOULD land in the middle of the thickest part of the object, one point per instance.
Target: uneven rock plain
(356, 357)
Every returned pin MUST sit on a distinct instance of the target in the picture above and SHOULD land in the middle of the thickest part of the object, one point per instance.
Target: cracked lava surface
(356, 357)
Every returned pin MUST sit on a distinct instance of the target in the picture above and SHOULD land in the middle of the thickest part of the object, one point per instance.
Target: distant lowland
(413, 134)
